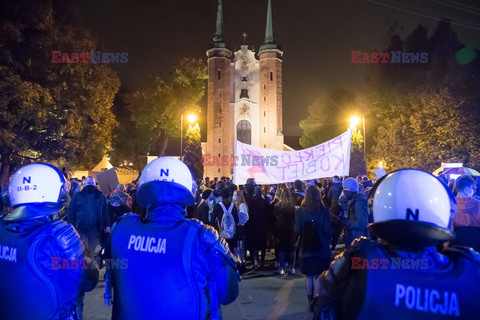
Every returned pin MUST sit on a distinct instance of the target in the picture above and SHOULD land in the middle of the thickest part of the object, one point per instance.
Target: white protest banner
(268, 166)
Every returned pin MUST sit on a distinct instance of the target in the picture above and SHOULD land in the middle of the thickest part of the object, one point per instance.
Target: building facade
(244, 98)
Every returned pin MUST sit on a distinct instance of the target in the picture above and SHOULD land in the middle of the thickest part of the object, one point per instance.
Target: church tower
(220, 139)
(270, 55)
(244, 98)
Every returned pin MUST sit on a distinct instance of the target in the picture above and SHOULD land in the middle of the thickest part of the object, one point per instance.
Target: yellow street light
(354, 121)
(191, 118)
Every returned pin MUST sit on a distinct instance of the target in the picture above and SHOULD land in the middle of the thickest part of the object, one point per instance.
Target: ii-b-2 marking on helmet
(411, 215)
(27, 188)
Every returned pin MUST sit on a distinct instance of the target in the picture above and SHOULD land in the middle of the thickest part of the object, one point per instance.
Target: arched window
(244, 93)
(271, 76)
(244, 131)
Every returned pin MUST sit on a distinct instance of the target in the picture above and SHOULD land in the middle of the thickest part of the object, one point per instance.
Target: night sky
(316, 37)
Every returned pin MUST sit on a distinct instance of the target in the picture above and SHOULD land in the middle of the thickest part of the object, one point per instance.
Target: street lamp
(191, 118)
(353, 123)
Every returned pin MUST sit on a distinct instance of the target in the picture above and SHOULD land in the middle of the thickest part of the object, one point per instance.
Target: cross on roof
(244, 35)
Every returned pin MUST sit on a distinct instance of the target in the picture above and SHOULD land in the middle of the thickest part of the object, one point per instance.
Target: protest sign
(107, 180)
(379, 172)
(269, 166)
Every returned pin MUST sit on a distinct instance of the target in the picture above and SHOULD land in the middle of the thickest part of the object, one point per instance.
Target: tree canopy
(433, 127)
(417, 115)
(426, 114)
(155, 111)
(327, 118)
(50, 111)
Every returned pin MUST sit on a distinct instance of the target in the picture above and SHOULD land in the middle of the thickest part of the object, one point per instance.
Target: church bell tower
(271, 88)
(220, 140)
(244, 98)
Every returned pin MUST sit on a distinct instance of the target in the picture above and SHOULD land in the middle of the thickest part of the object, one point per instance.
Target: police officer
(404, 277)
(43, 270)
(177, 268)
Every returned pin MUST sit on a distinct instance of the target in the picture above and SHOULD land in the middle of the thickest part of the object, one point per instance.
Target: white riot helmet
(165, 180)
(38, 189)
(412, 208)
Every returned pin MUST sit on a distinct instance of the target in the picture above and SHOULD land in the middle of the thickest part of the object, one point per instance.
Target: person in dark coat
(116, 208)
(357, 213)
(132, 191)
(88, 213)
(249, 189)
(203, 209)
(270, 217)
(217, 216)
(299, 193)
(256, 231)
(285, 238)
(333, 194)
(314, 261)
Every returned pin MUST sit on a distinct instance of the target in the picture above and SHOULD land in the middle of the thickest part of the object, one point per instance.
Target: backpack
(310, 237)
(242, 215)
(227, 226)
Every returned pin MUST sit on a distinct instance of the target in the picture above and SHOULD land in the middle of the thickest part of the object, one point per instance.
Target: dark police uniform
(43, 270)
(373, 281)
(177, 268)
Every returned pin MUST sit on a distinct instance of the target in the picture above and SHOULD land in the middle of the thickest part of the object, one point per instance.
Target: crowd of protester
(301, 222)
(273, 213)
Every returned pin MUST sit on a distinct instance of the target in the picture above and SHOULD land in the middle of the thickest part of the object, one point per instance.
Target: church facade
(244, 98)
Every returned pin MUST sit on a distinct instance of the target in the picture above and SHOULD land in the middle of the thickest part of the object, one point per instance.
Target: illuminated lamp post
(191, 118)
(353, 123)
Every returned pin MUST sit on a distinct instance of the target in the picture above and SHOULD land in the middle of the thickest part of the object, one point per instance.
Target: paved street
(263, 295)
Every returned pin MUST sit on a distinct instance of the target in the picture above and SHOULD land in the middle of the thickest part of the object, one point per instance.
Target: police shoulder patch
(209, 236)
(361, 243)
(470, 253)
(67, 238)
(130, 217)
(340, 266)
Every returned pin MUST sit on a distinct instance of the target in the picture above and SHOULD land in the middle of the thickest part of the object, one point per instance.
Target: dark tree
(328, 117)
(157, 109)
(425, 114)
(56, 112)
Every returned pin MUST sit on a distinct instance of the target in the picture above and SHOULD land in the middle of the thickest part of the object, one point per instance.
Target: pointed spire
(219, 28)
(218, 48)
(270, 43)
(269, 36)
